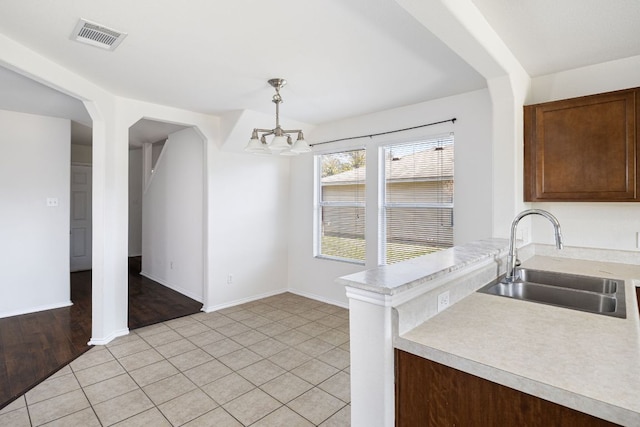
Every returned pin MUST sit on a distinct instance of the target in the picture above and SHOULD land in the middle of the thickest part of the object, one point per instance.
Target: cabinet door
(582, 149)
(432, 394)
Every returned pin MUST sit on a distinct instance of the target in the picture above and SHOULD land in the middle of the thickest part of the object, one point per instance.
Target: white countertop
(397, 278)
(585, 361)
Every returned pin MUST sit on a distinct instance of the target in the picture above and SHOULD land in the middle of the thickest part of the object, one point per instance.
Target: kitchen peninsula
(583, 361)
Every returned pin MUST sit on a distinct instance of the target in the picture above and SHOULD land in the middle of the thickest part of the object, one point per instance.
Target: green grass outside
(343, 247)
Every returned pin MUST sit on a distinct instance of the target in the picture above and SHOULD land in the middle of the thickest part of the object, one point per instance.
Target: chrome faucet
(512, 257)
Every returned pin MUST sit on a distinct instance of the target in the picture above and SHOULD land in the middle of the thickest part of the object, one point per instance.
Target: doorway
(80, 218)
(172, 206)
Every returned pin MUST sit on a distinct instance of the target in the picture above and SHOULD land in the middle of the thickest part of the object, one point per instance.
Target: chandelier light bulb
(300, 145)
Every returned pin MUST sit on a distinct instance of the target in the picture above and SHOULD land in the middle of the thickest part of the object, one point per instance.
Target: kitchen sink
(572, 281)
(585, 293)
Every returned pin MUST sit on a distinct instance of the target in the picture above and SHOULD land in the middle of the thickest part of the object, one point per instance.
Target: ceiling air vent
(97, 35)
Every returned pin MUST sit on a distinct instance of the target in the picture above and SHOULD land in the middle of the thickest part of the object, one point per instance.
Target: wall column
(372, 359)
(507, 96)
(110, 224)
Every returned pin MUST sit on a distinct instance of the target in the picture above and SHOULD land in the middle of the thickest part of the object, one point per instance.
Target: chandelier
(281, 142)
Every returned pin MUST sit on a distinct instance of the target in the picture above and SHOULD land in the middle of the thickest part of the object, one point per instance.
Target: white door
(80, 244)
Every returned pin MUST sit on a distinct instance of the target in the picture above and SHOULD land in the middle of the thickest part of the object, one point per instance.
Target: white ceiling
(547, 36)
(341, 58)
(19, 93)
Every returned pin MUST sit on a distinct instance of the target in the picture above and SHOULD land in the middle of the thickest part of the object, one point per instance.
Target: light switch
(52, 201)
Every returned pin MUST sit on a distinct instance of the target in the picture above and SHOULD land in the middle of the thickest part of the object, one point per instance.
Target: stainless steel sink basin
(593, 294)
(572, 281)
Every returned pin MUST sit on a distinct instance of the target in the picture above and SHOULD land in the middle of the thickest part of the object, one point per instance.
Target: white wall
(172, 216)
(135, 202)
(248, 227)
(473, 178)
(604, 77)
(593, 225)
(34, 238)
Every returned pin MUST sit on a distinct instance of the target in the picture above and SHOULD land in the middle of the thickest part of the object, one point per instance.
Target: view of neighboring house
(417, 198)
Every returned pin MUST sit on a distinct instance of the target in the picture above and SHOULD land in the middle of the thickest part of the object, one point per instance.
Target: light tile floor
(278, 361)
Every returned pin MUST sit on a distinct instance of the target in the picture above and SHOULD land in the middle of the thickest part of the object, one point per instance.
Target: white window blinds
(417, 199)
(341, 205)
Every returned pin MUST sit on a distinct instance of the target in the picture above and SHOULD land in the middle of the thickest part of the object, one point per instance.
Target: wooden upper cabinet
(583, 149)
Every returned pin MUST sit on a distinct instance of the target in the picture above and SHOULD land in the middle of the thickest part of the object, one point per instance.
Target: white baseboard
(172, 287)
(35, 309)
(319, 298)
(243, 300)
(270, 294)
(108, 338)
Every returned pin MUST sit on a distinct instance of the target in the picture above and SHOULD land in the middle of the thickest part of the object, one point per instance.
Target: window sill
(331, 258)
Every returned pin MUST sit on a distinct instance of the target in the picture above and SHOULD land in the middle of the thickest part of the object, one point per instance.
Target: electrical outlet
(52, 202)
(229, 279)
(443, 301)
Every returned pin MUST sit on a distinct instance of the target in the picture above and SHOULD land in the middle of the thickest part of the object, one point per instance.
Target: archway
(166, 221)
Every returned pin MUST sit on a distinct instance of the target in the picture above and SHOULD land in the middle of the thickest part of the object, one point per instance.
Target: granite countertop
(585, 361)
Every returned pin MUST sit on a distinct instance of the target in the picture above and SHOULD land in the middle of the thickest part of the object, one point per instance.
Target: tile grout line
(233, 371)
(136, 383)
(85, 396)
(189, 379)
(337, 325)
(315, 386)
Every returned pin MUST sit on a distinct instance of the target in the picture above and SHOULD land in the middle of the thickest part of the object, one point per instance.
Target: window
(341, 205)
(416, 199)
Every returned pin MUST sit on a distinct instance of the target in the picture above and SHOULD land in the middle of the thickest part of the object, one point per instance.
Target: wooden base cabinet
(583, 149)
(431, 394)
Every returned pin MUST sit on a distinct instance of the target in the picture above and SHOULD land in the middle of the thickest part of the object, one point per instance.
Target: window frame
(319, 204)
(383, 205)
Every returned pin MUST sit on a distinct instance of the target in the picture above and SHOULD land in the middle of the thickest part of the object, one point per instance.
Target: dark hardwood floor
(150, 302)
(34, 346)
